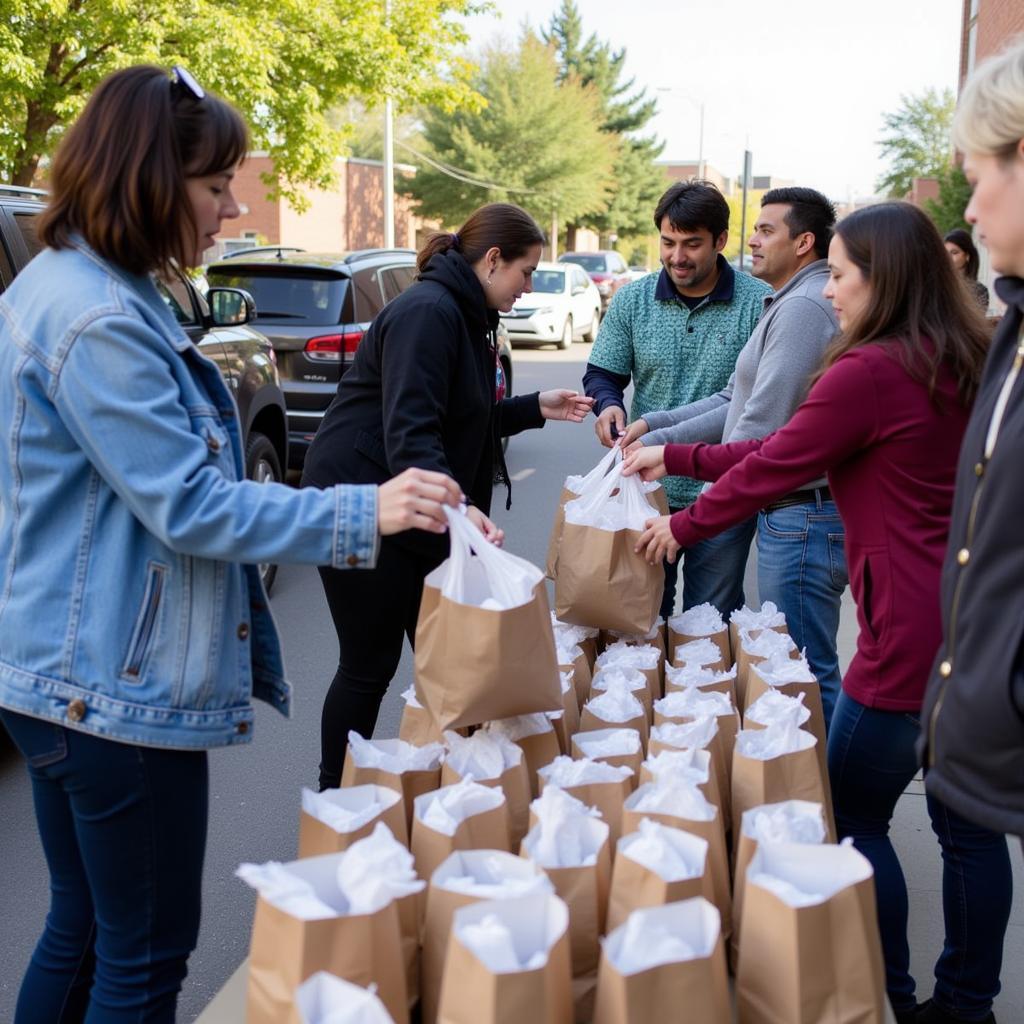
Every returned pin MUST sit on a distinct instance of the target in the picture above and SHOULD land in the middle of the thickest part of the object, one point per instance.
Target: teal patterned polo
(676, 355)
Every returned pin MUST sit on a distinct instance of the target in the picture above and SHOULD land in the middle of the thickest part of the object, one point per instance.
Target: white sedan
(563, 306)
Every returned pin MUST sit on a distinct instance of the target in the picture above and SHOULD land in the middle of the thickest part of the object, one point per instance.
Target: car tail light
(333, 346)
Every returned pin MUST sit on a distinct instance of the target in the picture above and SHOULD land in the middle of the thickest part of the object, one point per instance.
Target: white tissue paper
(567, 651)
(567, 833)
(802, 875)
(616, 703)
(671, 933)
(490, 875)
(281, 887)
(791, 821)
(608, 742)
(394, 756)
(780, 668)
(774, 741)
(446, 808)
(566, 681)
(484, 755)
(571, 631)
(512, 935)
(775, 708)
(672, 854)
(679, 801)
(519, 727)
(326, 999)
(346, 810)
(684, 735)
(691, 676)
(767, 643)
(635, 656)
(691, 766)
(654, 636)
(376, 870)
(568, 772)
(409, 696)
(768, 617)
(697, 652)
(694, 703)
(619, 675)
(701, 620)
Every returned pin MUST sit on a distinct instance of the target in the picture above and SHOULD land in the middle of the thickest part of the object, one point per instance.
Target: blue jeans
(871, 761)
(712, 571)
(123, 830)
(801, 566)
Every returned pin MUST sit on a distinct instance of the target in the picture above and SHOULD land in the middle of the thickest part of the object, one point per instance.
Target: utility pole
(747, 162)
(389, 158)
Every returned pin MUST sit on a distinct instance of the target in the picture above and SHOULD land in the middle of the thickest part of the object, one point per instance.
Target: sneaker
(931, 1013)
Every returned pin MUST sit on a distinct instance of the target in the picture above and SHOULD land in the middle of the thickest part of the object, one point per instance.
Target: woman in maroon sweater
(884, 420)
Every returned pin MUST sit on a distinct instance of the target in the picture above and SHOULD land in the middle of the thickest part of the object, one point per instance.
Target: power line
(464, 176)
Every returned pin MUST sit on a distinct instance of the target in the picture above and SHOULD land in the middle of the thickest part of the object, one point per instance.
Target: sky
(802, 83)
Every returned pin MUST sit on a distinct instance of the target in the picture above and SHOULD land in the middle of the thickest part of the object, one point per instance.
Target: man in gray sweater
(801, 565)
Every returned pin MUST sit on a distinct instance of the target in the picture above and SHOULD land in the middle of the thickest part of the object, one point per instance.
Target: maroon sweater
(890, 457)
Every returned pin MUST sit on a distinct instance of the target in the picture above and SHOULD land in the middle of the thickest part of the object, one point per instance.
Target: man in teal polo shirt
(676, 335)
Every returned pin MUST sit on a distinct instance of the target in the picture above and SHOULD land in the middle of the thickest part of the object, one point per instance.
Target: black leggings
(372, 610)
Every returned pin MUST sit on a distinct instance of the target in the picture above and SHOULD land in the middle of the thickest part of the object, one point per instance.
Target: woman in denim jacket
(133, 625)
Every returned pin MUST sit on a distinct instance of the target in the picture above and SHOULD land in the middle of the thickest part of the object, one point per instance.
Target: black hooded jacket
(421, 392)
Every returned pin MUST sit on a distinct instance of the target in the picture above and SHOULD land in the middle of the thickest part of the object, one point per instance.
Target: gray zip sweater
(772, 372)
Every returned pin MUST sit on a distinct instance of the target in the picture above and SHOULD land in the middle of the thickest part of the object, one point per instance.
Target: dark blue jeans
(871, 761)
(123, 830)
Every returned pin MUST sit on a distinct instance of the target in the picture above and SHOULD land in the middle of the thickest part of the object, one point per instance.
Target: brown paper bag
(515, 784)
(705, 762)
(603, 582)
(794, 776)
(812, 964)
(718, 682)
(745, 660)
(719, 639)
(718, 859)
(488, 830)
(539, 750)
(632, 760)
(582, 673)
(734, 635)
(551, 560)
(647, 694)
(285, 950)
(692, 990)
(635, 886)
(417, 725)
(317, 838)
(607, 797)
(654, 638)
(590, 721)
(474, 665)
(409, 784)
(585, 892)
(485, 867)
(471, 993)
(567, 724)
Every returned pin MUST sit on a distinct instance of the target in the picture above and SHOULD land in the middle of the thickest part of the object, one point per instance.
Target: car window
(579, 279)
(550, 282)
(616, 263)
(175, 293)
(367, 293)
(593, 262)
(26, 223)
(286, 295)
(396, 280)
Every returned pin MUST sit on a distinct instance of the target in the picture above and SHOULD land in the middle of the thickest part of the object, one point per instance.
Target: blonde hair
(990, 115)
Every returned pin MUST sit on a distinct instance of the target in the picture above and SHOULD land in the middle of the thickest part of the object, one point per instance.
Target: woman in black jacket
(421, 392)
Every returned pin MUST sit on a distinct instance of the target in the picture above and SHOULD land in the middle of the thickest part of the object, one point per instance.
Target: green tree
(915, 140)
(536, 143)
(283, 65)
(954, 194)
(639, 182)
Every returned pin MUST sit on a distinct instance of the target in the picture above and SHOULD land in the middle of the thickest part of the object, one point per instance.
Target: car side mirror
(230, 307)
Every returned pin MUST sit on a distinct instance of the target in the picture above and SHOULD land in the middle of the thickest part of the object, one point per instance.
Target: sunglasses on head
(183, 81)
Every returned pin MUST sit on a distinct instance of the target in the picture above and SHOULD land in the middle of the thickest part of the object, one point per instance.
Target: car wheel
(595, 321)
(263, 466)
(566, 340)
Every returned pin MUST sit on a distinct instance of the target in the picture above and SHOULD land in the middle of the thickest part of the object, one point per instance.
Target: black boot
(931, 1013)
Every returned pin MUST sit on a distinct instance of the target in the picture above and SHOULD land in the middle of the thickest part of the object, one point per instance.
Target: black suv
(315, 309)
(245, 357)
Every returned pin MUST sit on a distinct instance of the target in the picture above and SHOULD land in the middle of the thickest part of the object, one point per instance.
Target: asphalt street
(255, 790)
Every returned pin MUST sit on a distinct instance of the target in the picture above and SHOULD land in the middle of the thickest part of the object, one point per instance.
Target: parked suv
(245, 357)
(315, 309)
(607, 269)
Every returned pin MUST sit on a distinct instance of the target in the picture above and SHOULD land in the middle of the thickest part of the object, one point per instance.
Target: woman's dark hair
(809, 212)
(916, 297)
(118, 178)
(503, 225)
(963, 241)
(692, 206)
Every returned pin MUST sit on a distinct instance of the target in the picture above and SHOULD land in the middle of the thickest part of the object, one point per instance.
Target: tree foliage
(625, 112)
(915, 140)
(284, 65)
(537, 138)
(954, 194)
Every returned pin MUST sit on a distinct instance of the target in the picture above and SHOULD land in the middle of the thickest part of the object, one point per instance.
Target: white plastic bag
(598, 507)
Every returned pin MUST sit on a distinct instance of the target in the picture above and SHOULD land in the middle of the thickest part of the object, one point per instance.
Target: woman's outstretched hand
(656, 542)
(562, 404)
(413, 500)
(648, 462)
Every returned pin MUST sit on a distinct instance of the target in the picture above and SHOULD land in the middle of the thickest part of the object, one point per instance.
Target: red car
(606, 268)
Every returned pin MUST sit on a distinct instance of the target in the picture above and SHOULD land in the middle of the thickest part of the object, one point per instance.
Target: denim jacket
(125, 608)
